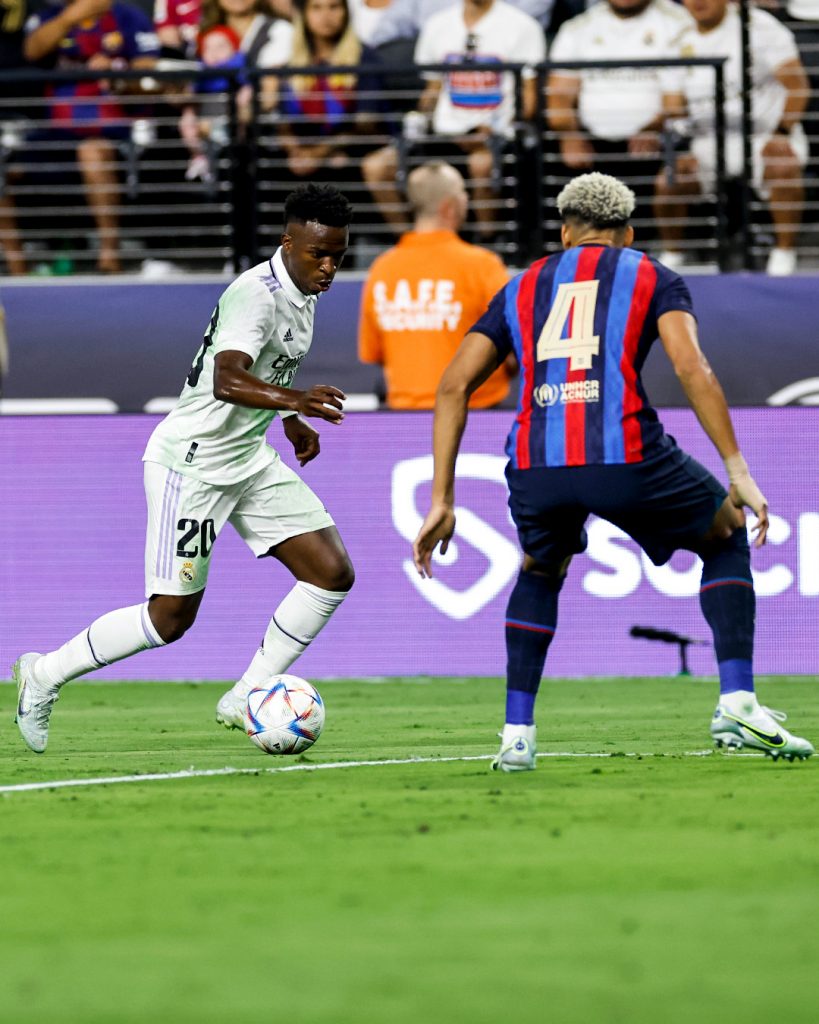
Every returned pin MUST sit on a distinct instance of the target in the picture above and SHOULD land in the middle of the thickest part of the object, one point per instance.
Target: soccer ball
(285, 716)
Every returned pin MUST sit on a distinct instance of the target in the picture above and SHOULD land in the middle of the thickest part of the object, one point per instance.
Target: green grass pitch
(658, 888)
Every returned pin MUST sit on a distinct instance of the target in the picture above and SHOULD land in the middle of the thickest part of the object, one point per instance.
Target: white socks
(511, 732)
(297, 621)
(739, 702)
(110, 638)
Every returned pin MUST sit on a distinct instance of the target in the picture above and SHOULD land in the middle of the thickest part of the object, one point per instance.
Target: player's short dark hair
(323, 204)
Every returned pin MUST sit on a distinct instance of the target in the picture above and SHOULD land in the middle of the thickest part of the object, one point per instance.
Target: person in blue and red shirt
(585, 440)
(97, 35)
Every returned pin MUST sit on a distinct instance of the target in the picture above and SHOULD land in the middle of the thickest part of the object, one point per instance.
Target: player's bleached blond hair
(597, 199)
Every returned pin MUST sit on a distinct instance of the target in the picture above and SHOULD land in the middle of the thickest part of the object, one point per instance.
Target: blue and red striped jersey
(581, 324)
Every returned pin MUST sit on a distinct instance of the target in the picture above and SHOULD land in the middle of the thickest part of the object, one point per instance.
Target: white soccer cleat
(517, 750)
(230, 711)
(759, 728)
(34, 703)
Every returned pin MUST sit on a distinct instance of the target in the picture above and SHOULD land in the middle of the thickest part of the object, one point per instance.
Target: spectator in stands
(266, 41)
(11, 59)
(177, 25)
(285, 9)
(472, 112)
(802, 18)
(367, 15)
(97, 35)
(11, 42)
(405, 19)
(422, 296)
(219, 47)
(779, 148)
(324, 117)
(608, 119)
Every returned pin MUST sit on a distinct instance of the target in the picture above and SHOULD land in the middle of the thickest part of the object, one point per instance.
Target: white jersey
(265, 315)
(616, 103)
(772, 45)
(471, 99)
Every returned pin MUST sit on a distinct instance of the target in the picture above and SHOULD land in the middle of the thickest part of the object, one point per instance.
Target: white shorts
(185, 516)
(704, 149)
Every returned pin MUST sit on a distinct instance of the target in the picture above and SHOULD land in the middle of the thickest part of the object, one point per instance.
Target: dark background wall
(132, 342)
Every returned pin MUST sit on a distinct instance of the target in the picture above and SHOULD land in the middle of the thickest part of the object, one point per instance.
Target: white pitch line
(201, 773)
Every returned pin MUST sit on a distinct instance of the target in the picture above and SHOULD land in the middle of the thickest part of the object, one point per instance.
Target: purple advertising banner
(72, 522)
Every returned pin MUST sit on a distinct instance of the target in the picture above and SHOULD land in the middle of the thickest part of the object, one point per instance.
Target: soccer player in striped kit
(585, 440)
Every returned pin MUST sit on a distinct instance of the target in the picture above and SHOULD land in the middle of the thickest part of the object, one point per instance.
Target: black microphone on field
(667, 636)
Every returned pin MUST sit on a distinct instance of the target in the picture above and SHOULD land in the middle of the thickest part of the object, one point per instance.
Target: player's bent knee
(554, 574)
(172, 615)
(732, 544)
(340, 576)
(727, 520)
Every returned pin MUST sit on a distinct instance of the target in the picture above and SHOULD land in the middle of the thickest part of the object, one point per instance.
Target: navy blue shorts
(665, 503)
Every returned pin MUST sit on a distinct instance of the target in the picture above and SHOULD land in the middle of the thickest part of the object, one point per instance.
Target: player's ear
(287, 241)
(628, 237)
(566, 236)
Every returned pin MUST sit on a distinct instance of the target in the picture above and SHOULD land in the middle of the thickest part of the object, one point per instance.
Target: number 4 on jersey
(575, 302)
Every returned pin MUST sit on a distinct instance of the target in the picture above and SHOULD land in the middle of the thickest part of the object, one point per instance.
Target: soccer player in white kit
(207, 463)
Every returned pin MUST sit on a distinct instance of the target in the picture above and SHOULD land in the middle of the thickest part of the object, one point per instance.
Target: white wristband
(736, 467)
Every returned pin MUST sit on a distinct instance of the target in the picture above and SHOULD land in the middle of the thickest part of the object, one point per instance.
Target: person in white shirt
(471, 111)
(609, 119)
(779, 149)
(207, 463)
(404, 19)
(616, 105)
(367, 15)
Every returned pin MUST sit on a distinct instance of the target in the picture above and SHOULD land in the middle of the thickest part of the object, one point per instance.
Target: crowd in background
(616, 120)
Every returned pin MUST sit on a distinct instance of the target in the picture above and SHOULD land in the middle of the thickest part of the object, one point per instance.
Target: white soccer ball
(285, 716)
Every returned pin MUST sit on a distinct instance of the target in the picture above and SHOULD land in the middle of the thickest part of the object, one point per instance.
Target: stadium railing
(230, 214)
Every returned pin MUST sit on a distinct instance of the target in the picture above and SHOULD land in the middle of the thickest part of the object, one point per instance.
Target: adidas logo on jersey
(288, 336)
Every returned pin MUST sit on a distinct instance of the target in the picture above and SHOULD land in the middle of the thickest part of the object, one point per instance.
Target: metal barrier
(164, 173)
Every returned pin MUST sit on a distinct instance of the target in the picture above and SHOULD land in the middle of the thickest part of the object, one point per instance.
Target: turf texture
(660, 887)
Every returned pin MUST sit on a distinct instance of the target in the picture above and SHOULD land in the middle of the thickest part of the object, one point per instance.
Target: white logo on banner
(618, 566)
(503, 556)
(613, 550)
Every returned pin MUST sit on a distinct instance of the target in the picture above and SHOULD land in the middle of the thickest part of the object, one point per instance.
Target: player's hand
(744, 492)
(321, 402)
(303, 437)
(438, 527)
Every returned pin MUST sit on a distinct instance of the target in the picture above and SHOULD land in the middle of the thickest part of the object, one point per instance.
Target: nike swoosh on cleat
(21, 711)
(772, 739)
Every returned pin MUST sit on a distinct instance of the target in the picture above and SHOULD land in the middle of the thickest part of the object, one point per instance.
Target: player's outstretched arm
(233, 382)
(678, 333)
(474, 361)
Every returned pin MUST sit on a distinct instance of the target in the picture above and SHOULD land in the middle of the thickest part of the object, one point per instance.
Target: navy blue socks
(729, 605)
(531, 619)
